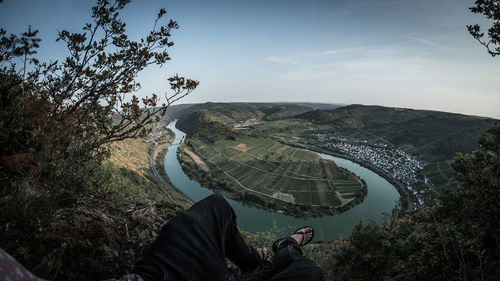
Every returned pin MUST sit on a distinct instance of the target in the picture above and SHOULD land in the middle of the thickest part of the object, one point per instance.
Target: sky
(398, 53)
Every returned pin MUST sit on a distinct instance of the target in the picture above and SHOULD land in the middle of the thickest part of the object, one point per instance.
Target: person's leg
(289, 264)
(193, 245)
(220, 222)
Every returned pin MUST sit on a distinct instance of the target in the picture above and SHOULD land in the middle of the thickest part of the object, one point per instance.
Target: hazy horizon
(409, 54)
(333, 103)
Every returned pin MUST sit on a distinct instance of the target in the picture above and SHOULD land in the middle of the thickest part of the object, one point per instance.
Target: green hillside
(361, 116)
(433, 135)
(193, 118)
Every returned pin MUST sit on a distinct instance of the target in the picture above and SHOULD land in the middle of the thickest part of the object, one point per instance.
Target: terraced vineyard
(270, 169)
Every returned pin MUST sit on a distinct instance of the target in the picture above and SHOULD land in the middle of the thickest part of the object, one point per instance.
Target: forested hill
(433, 135)
(268, 111)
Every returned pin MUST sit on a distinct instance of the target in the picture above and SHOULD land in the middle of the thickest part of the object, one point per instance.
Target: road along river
(381, 197)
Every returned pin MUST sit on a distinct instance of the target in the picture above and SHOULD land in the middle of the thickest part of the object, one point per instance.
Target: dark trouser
(290, 265)
(194, 244)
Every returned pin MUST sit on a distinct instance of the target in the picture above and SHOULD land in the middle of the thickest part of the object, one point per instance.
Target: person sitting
(194, 245)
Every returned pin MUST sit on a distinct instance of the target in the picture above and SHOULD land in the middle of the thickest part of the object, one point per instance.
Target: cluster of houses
(157, 132)
(247, 124)
(398, 164)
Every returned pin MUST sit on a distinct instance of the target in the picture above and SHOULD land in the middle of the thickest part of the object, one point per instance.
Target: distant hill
(433, 135)
(268, 111)
(175, 111)
(313, 105)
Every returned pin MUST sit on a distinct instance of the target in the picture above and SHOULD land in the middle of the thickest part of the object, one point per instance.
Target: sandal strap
(303, 232)
(303, 238)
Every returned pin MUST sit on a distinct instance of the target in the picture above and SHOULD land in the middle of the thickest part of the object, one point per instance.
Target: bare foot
(263, 253)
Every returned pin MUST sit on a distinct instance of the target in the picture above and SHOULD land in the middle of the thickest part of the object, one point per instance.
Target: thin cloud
(337, 51)
(297, 58)
(324, 53)
(281, 60)
(432, 44)
(427, 42)
(375, 65)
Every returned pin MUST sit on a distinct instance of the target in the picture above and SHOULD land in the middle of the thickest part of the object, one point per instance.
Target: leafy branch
(490, 9)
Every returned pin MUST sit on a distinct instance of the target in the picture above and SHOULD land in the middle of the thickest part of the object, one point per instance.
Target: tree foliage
(61, 115)
(57, 121)
(491, 10)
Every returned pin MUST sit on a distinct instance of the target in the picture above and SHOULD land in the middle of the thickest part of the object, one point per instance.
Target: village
(244, 125)
(394, 162)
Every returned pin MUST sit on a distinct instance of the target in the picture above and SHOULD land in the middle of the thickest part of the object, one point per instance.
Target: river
(382, 197)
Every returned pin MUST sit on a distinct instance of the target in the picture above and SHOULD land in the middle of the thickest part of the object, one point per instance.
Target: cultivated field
(274, 170)
(441, 174)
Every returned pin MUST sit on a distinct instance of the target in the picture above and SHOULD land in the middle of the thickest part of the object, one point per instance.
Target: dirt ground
(242, 147)
(197, 160)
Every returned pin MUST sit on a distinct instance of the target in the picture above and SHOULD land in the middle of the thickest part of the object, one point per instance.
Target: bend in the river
(381, 198)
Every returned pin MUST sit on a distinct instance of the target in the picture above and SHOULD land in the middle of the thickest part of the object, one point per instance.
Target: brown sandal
(304, 230)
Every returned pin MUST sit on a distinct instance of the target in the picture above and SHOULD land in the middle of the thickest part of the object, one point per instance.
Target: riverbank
(159, 156)
(158, 153)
